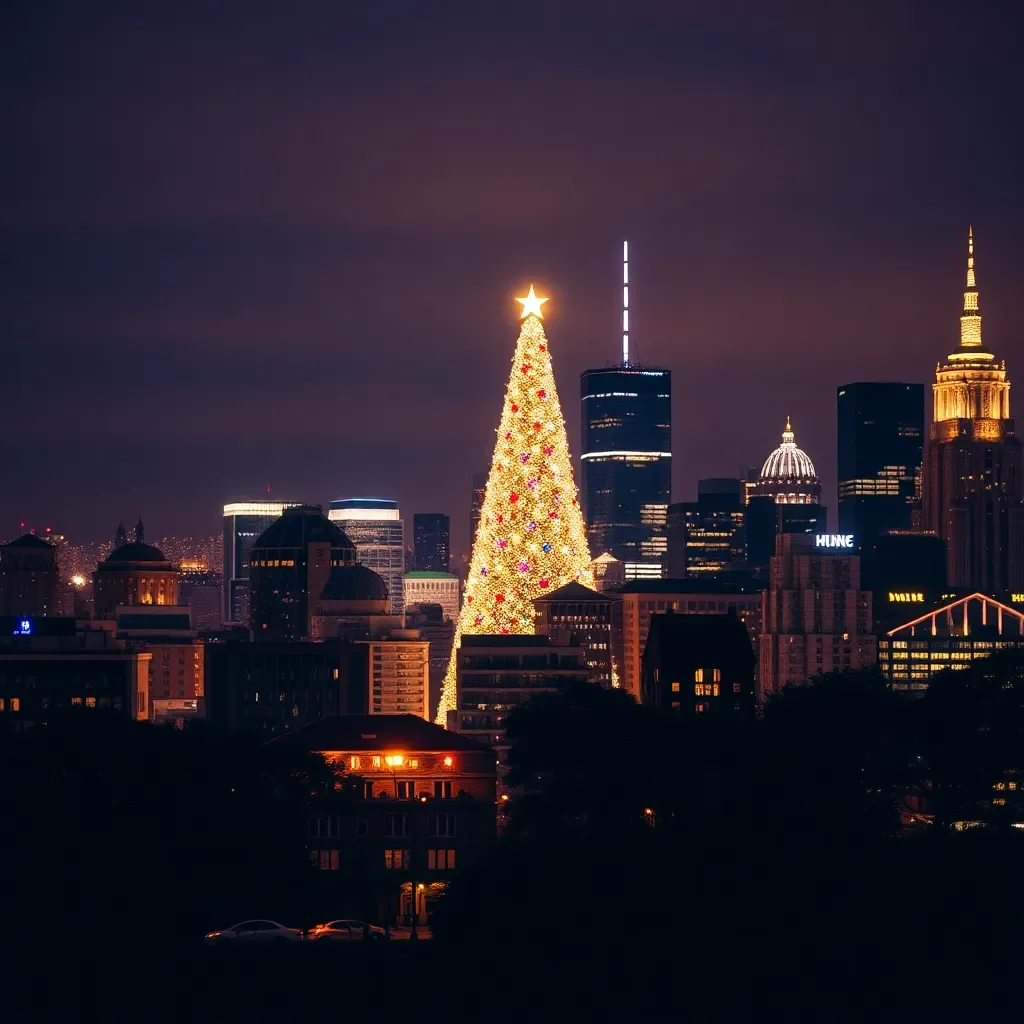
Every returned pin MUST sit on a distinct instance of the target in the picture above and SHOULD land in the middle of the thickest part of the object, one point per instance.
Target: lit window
(698, 675)
(714, 691)
(76, 700)
(716, 675)
(15, 703)
(396, 860)
(90, 702)
(1, 703)
(355, 762)
(675, 705)
(675, 687)
(735, 687)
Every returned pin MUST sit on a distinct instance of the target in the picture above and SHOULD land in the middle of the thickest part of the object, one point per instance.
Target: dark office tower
(626, 457)
(290, 565)
(479, 490)
(973, 487)
(28, 577)
(244, 521)
(881, 448)
(707, 535)
(430, 537)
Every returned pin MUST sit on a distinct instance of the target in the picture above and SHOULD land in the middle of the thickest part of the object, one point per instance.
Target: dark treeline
(811, 861)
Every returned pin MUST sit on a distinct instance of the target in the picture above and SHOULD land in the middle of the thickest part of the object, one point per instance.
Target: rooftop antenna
(625, 303)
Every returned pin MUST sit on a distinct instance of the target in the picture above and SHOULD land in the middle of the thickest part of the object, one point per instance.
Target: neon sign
(833, 540)
(24, 628)
(1017, 598)
(906, 597)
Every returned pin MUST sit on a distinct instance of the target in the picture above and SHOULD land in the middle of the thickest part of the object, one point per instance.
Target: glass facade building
(880, 452)
(375, 526)
(708, 535)
(431, 543)
(244, 521)
(626, 459)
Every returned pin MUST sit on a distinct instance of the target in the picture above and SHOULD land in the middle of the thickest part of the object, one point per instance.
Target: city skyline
(774, 258)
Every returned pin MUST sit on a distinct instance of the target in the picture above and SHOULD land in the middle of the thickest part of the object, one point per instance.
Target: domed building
(290, 564)
(788, 475)
(354, 603)
(135, 573)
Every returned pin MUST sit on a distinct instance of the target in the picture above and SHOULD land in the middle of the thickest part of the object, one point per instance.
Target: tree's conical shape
(531, 539)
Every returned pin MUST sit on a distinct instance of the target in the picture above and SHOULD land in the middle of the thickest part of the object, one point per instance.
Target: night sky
(279, 242)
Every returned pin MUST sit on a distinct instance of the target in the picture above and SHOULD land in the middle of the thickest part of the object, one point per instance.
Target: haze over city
(245, 247)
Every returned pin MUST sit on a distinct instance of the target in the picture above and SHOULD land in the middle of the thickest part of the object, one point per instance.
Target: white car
(256, 932)
(344, 930)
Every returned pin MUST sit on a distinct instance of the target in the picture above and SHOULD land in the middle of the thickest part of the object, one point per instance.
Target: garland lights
(531, 538)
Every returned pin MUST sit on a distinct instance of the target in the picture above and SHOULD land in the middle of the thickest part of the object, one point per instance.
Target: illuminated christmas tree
(531, 539)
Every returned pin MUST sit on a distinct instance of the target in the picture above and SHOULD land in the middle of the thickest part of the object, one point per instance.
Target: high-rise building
(709, 534)
(244, 521)
(375, 526)
(398, 673)
(576, 616)
(477, 504)
(626, 419)
(431, 540)
(29, 579)
(433, 588)
(973, 488)
(815, 617)
(290, 566)
(881, 448)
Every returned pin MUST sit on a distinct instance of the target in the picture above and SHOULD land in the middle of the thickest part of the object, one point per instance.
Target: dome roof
(300, 525)
(354, 582)
(136, 552)
(788, 463)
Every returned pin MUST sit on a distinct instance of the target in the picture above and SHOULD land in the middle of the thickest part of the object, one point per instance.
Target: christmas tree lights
(531, 539)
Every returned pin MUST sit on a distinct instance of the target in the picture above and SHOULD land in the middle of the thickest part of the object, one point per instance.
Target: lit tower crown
(971, 384)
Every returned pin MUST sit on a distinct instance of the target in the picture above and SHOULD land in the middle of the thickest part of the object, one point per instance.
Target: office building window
(441, 860)
(396, 860)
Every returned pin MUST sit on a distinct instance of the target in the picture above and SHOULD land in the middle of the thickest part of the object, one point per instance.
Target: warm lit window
(999, 785)
(1, 703)
(675, 687)
(90, 702)
(735, 687)
(440, 860)
(76, 700)
(714, 689)
(375, 762)
(355, 762)
(15, 703)
(396, 860)
(999, 802)
(716, 675)
(698, 675)
(1011, 785)
(675, 705)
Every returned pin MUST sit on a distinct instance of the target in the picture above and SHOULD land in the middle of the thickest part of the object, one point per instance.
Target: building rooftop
(505, 640)
(574, 592)
(300, 525)
(28, 540)
(427, 574)
(376, 732)
(136, 551)
(688, 586)
(355, 582)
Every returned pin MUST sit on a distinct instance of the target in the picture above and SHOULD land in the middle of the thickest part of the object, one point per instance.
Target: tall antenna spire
(625, 303)
(970, 322)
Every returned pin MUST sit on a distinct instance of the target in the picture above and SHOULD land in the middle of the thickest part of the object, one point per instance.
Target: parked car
(344, 930)
(257, 931)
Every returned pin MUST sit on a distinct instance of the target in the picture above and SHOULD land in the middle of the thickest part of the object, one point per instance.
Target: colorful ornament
(524, 458)
(515, 408)
(478, 620)
(531, 483)
(537, 425)
(513, 497)
(500, 598)
(526, 367)
(532, 524)
(483, 570)
(502, 543)
(545, 548)
(543, 584)
(542, 393)
(549, 450)
(524, 566)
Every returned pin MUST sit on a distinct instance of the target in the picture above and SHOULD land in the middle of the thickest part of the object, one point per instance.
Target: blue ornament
(545, 547)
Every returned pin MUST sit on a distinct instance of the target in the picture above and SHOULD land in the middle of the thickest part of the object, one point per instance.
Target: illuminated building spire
(788, 437)
(970, 322)
(625, 303)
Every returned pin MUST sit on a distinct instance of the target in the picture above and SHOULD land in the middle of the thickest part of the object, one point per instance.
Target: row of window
(329, 826)
(394, 860)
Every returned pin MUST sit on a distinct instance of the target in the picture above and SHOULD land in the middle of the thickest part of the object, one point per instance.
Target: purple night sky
(250, 242)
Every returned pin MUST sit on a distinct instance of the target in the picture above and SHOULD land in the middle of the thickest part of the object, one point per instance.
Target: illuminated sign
(906, 597)
(1017, 598)
(833, 540)
(24, 628)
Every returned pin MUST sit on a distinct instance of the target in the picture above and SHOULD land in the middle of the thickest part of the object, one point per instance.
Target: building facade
(880, 455)
(815, 617)
(644, 598)
(244, 521)
(135, 573)
(29, 577)
(708, 535)
(952, 635)
(626, 418)
(576, 616)
(431, 541)
(695, 666)
(427, 811)
(974, 491)
(375, 527)
(177, 668)
(290, 564)
(398, 674)
(428, 587)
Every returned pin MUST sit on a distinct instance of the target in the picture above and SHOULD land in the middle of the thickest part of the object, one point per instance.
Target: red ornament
(542, 393)
(542, 347)
(508, 436)
(526, 367)
(501, 519)
(503, 629)
(537, 425)
(515, 408)
(499, 598)
(544, 584)
(549, 449)
(513, 496)
(552, 515)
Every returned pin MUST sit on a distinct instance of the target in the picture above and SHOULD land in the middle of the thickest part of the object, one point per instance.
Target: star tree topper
(531, 304)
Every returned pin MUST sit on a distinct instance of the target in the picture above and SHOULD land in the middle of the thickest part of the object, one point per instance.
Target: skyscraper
(626, 419)
(973, 488)
(881, 448)
(244, 521)
(430, 538)
(709, 534)
(375, 526)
